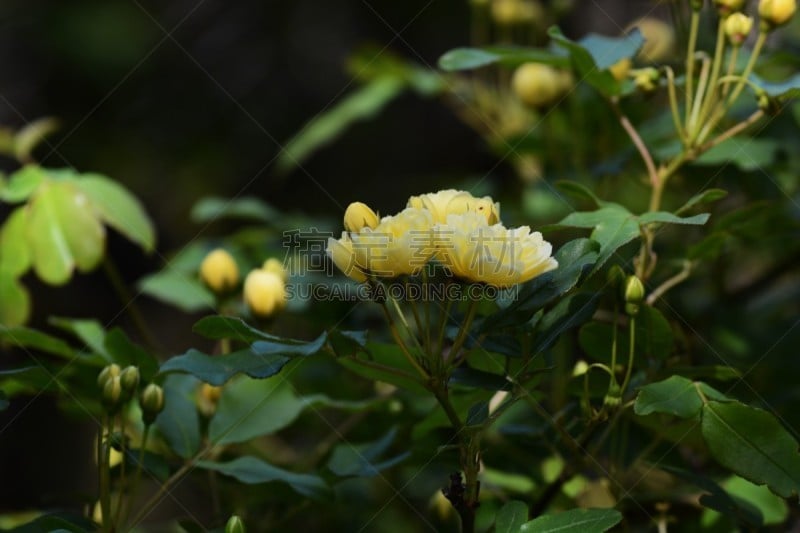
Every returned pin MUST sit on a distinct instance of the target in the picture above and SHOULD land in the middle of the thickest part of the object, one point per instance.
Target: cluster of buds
(118, 386)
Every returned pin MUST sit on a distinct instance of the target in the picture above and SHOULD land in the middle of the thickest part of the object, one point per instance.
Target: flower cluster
(457, 230)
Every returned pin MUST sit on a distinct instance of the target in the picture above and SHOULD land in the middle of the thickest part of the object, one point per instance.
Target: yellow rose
(400, 244)
(776, 12)
(358, 216)
(502, 257)
(737, 27)
(537, 85)
(219, 271)
(276, 267)
(341, 253)
(453, 202)
(264, 293)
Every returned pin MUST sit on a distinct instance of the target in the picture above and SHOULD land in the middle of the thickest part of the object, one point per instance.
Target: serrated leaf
(511, 517)
(15, 256)
(63, 233)
(215, 208)
(574, 521)
(510, 56)
(120, 209)
(218, 369)
(252, 471)
(362, 104)
(753, 444)
(250, 407)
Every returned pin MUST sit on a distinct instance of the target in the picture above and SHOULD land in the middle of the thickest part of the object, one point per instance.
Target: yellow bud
(359, 216)
(129, 378)
(219, 271)
(737, 26)
(728, 7)
(112, 392)
(152, 402)
(537, 85)
(659, 39)
(207, 398)
(581, 367)
(264, 293)
(621, 68)
(504, 12)
(276, 267)
(646, 79)
(633, 293)
(776, 13)
(108, 372)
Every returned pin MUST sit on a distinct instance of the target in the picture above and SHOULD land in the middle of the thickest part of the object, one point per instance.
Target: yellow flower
(453, 202)
(737, 27)
(275, 266)
(219, 271)
(264, 293)
(776, 12)
(400, 244)
(358, 216)
(341, 253)
(502, 257)
(659, 39)
(537, 85)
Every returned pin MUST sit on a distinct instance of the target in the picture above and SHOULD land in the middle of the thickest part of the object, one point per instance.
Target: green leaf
(60, 522)
(384, 362)
(252, 471)
(706, 197)
(179, 422)
(786, 89)
(218, 369)
(510, 56)
(478, 379)
(362, 460)
(118, 208)
(668, 218)
(614, 226)
(15, 302)
(654, 339)
(15, 256)
(250, 407)
(215, 208)
(63, 233)
(362, 104)
(772, 508)
(576, 520)
(36, 340)
(594, 54)
(511, 517)
(22, 183)
(90, 332)
(577, 190)
(753, 444)
(567, 314)
(749, 154)
(179, 289)
(675, 395)
(228, 327)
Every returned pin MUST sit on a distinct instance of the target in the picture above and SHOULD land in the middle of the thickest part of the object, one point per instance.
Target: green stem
(673, 104)
(694, 24)
(120, 499)
(629, 370)
(614, 344)
(762, 38)
(702, 83)
(726, 88)
(105, 475)
(711, 94)
(463, 332)
(136, 476)
(443, 327)
(400, 343)
(677, 279)
(128, 301)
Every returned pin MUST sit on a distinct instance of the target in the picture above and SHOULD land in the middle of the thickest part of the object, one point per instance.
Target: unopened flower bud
(621, 68)
(275, 266)
(358, 216)
(264, 293)
(219, 271)
(207, 398)
(152, 402)
(613, 397)
(646, 79)
(537, 85)
(108, 372)
(659, 39)
(776, 13)
(737, 28)
(112, 392)
(766, 103)
(581, 367)
(633, 293)
(235, 525)
(727, 7)
(129, 378)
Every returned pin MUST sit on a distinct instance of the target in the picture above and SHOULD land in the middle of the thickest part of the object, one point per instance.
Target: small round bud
(728, 7)
(646, 79)
(581, 367)
(152, 402)
(776, 13)
(537, 85)
(659, 39)
(207, 398)
(108, 372)
(129, 378)
(112, 393)
(633, 294)
(264, 293)
(358, 216)
(235, 525)
(275, 266)
(737, 27)
(766, 103)
(621, 68)
(219, 271)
